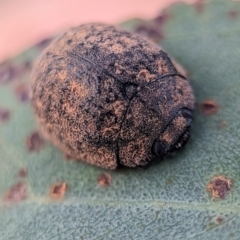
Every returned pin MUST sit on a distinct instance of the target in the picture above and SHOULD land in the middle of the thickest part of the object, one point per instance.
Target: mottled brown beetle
(111, 98)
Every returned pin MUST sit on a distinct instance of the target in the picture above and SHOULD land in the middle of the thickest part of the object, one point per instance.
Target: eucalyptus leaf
(173, 198)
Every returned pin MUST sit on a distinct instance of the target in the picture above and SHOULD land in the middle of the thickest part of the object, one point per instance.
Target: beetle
(109, 97)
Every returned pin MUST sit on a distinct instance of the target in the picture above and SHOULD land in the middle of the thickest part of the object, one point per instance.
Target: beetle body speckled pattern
(110, 98)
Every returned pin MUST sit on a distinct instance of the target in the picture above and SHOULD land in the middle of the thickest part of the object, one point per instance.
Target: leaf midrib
(156, 203)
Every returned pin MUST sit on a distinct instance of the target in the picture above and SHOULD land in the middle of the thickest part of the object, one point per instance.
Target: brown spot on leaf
(219, 187)
(219, 220)
(7, 72)
(150, 31)
(104, 180)
(16, 193)
(4, 115)
(22, 173)
(153, 30)
(34, 142)
(58, 190)
(67, 156)
(44, 43)
(209, 107)
(161, 19)
(199, 6)
(10, 72)
(22, 93)
(233, 14)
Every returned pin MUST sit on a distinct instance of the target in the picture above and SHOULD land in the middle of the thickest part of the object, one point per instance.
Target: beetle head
(175, 134)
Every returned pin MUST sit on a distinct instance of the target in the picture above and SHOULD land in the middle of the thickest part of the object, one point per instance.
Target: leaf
(192, 195)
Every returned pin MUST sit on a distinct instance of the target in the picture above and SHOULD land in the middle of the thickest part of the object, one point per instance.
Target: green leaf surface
(168, 200)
